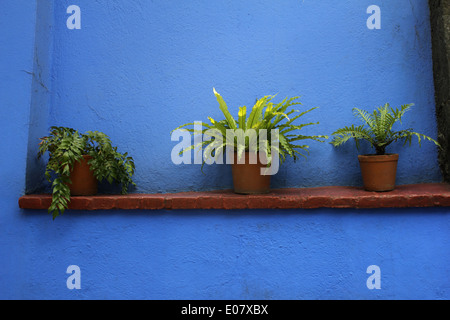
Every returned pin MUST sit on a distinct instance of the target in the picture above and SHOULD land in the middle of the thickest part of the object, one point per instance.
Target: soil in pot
(378, 171)
(247, 177)
(83, 180)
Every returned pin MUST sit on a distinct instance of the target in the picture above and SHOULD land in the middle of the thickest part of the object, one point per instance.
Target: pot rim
(378, 157)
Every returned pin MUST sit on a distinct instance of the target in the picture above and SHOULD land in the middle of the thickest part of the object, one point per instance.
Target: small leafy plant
(66, 146)
(265, 116)
(377, 129)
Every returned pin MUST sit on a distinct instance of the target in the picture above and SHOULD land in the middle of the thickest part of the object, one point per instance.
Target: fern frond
(344, 134)
(241, 117)
(223, 106)
(191, 124)
(398, 114)
(379, 132)
(365, 117)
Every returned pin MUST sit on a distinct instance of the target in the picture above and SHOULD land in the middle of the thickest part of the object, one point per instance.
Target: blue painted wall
(17, 25)
(138, 70)
(321, 254)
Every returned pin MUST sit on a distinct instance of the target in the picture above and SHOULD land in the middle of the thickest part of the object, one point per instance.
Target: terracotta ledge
(419, 195)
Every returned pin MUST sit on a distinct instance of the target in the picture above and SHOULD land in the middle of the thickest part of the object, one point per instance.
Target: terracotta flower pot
(378, 171)
(247, 178)
(83, 180)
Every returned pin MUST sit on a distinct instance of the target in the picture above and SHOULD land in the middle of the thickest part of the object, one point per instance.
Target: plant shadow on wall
(255, 144)
(78, 161)
(378, 170)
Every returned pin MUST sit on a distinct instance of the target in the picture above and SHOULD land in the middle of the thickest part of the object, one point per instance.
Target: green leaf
(377, 128)
(242, 117)
(65, 146)
(224, 108)
(276, 116)
(256, 112)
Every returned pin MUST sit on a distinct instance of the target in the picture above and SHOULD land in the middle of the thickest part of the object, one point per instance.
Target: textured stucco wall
(139, 69)
(41, 92)
(17, 38)
(263, 254)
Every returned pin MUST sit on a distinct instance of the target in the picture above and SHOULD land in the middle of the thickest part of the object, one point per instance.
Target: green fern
(264, 115)
(377, 129)
(66, 146)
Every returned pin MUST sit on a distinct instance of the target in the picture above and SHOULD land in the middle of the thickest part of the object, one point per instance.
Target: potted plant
(379, 169)
(256, 140)
(78, 161)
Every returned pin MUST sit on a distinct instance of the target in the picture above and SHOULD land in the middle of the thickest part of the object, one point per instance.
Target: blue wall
(320, 254)
(138, 70)
(17, 25)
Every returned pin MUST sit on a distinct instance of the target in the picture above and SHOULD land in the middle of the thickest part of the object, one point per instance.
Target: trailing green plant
(265, 117)
(66, 146)
(377, 129)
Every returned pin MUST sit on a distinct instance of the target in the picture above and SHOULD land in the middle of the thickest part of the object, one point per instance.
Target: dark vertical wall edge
(40, 95)
(440, 29)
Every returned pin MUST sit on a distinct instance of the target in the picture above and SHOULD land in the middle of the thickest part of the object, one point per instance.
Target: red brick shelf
(419, 195)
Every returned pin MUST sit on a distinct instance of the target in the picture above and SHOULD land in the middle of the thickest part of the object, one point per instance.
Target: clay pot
(83, 180)
(247, 178)
(378, 171)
